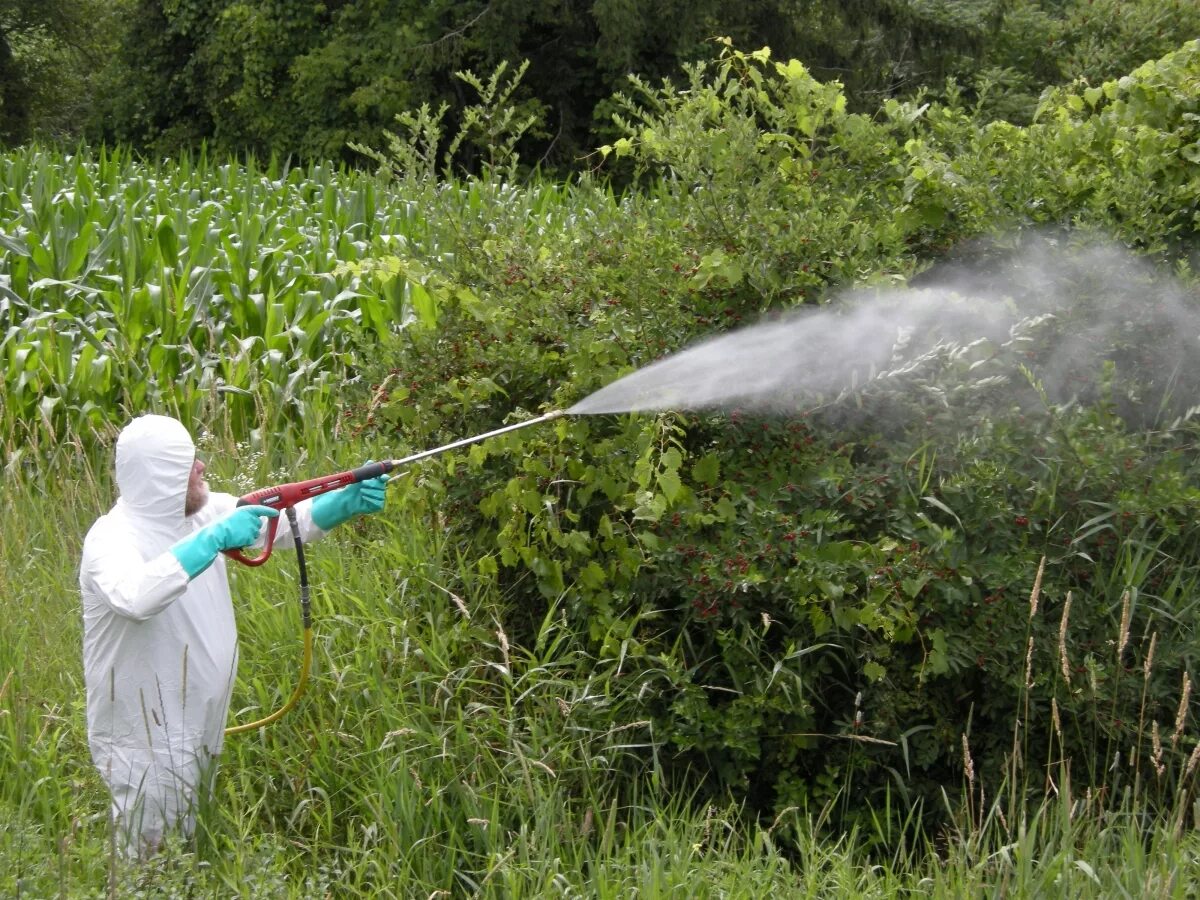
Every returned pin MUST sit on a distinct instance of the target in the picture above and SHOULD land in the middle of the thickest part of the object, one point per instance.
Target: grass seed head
(1181, 714)
(1037, 588)
(1193, 760)
(1123, 636)
(1156, 750)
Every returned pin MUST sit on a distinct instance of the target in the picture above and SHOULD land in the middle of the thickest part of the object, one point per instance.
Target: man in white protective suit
(159, 637)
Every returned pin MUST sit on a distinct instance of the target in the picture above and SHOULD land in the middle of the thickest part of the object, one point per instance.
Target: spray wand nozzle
(284, 496)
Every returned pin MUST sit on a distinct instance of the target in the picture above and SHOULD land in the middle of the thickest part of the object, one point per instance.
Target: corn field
(205, 290)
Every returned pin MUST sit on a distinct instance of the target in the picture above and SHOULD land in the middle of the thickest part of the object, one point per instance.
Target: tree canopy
(305, 79)
(50, 54)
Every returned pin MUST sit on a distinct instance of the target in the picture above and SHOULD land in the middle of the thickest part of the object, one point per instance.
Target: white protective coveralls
(159, 652)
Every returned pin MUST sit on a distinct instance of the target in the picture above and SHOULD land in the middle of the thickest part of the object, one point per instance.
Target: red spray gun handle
(282, 496)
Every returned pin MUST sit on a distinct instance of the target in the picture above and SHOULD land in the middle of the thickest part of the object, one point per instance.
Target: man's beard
(195, 500)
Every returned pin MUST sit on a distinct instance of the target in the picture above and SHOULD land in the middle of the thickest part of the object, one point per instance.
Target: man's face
(197, 492)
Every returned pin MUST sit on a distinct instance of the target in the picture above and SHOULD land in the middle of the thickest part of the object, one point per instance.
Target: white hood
(154, 462)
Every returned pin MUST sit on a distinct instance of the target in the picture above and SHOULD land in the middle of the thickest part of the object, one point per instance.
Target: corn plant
(203, 289)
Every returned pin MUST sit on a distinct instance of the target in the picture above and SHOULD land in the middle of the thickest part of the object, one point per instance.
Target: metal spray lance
(285, 496)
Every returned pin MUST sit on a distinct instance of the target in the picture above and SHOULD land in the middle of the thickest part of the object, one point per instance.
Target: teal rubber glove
(238, 529)
(332, 509)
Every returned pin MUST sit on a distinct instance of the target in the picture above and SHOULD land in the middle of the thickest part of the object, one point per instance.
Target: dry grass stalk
(1149, 663)
(1193, 760)
(709, 815)
(1029, 664)
(1123, 637)
(1003, 820)
(1156, 750)
(503, 638)
(1037, 589)
(968, 763)
(1055, 719)
(1063, 661)
(1166, 890)
(1181, 713)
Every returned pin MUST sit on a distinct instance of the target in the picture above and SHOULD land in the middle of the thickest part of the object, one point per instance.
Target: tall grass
(432, 757)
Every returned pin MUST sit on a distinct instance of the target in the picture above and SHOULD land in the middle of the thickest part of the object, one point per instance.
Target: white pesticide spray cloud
(1077, 301)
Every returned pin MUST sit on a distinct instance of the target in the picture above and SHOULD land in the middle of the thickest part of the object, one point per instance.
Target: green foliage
(742, 146)
(308, 80)
(821, 607)
(201, 289)
(1037, 45)
(285, 78)
(51, 53)
(488, 131)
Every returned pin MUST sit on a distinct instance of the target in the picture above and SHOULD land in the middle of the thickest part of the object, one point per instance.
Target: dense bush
(821, 606)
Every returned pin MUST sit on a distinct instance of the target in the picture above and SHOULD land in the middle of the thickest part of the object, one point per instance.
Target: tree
(50, 53)
(304, 78)
(296, 77)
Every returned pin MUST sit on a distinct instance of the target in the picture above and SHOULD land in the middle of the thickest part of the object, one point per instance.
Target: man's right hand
(238, 529)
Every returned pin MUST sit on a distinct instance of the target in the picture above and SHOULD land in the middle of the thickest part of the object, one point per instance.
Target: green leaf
(423, 305)
(168, 242)
(725, 510)
(707, 469)
(938, 661)
(649, 506)
(13, 245)
(592, 576)
(831, 590)
(670, 483)
(935, 502)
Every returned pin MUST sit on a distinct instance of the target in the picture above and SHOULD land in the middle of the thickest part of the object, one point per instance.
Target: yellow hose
(305, 666)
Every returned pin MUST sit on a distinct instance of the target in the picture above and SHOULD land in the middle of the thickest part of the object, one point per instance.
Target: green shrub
(821, 607)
